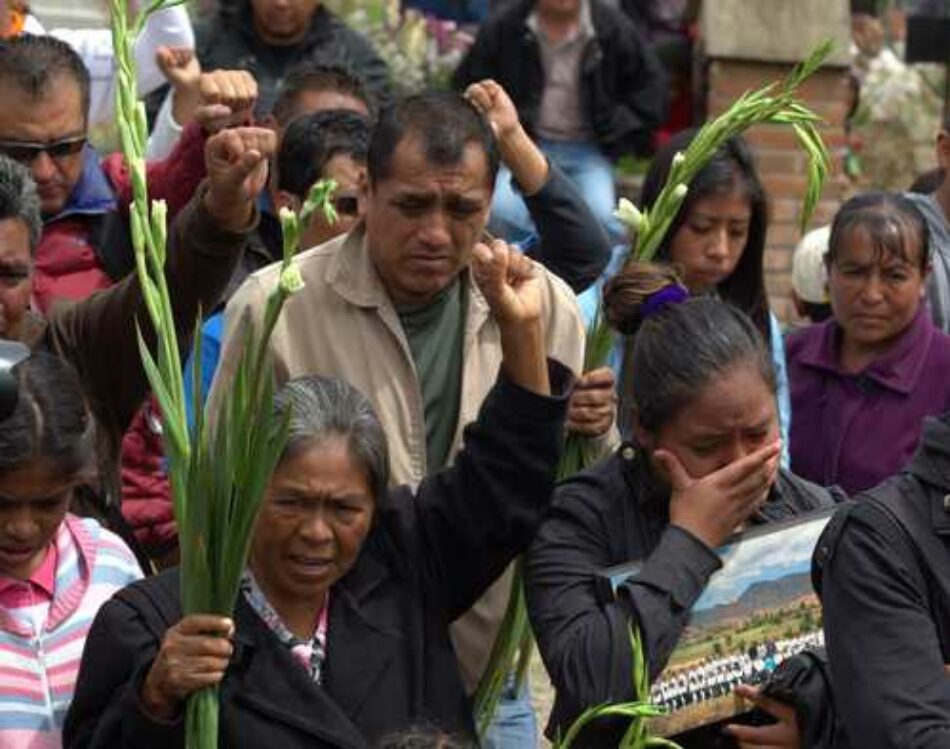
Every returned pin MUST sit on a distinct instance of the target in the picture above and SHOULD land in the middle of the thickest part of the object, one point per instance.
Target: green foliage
(218, 476)
(638, 711)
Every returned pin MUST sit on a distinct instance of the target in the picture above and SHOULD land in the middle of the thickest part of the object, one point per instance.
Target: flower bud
(138, 233)
(290, 280)
(159, 228)
(678, 160)
(629, 215)
(679, 193)
(137, 168)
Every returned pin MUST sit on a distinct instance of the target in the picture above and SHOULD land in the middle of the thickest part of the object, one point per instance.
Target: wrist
(232, 213)
(708, 537)
(155, 704)
(185, 102)
(524, 359)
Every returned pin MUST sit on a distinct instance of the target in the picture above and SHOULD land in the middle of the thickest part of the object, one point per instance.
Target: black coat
(228, 40)
(883, 566)
(390, 662)
(623, 86)
(612, 514)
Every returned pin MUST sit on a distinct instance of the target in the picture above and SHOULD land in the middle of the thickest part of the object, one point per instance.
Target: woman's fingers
(676, 474)
(753, 485)
(753, 464)
(205, 624)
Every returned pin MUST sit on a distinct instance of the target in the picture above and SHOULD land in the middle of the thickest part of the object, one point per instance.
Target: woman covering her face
(704, 463)
(716, 242)
(340, 633)
(863, 382)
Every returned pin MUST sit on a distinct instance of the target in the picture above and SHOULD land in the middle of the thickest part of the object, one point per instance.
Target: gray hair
(19, 199)
(325, 407)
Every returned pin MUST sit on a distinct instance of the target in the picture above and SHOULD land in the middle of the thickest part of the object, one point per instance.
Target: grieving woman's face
(315, 518)
(728, 419)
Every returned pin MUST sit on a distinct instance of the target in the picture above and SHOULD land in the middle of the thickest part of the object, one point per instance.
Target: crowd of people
(718, 676)
(430, 369)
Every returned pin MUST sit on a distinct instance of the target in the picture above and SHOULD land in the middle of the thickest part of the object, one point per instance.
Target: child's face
(709, 244)
(33, 502)
(874, 296)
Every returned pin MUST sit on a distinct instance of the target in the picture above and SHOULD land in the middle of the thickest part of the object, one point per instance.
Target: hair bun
(638, 292)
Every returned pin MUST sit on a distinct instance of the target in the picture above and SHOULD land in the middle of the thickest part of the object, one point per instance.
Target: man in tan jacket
(392, 308)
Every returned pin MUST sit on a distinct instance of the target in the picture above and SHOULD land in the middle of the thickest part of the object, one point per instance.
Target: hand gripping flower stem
(218, 476)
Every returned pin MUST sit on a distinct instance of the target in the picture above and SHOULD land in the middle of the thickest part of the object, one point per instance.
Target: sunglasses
(25, 152)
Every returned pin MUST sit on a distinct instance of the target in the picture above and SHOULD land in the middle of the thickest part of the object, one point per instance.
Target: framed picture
(757, 609)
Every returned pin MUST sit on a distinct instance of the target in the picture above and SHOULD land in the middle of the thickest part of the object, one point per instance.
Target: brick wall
(782, 164)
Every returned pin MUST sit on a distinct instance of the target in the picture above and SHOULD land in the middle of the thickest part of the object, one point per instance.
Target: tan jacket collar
(353, 276)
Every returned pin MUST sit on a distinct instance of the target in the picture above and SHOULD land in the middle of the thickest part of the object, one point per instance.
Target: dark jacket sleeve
(583, 640)
(173, 179)
(887, 666)
(480, 61)
(573, 244)
(639, 93)
(106, 712)
(98, 335)
(467, 523)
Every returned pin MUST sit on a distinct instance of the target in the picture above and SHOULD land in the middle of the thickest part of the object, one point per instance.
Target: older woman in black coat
(340, 635)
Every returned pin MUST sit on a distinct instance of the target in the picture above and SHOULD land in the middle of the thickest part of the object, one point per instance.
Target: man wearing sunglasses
(85, 245)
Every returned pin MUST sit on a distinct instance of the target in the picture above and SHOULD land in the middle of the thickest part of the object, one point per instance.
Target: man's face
(55, 118)
(559, 8)
(15, 276)
(282, 22)
(423, 219)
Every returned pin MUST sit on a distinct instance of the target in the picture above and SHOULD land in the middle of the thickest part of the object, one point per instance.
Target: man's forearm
(527, 163)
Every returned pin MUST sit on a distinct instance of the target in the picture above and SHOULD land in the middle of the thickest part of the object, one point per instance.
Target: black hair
(816, 311)
(928, 182)
(444, 122)
(309, 78)
(19, 199)
(50, 421)
(679, 348)
(33, 63)
(730, 167)
(893, 224)
(312, 140)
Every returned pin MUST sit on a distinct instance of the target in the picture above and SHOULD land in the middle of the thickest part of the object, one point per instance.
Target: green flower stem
(775, 104)
(218, 478)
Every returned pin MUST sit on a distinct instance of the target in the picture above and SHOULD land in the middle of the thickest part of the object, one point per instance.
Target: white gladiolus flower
(628, 214)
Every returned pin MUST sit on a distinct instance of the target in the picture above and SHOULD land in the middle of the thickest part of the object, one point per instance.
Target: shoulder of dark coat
(803, 495)
(610, 20)
(596, 491)
(156, 599)
(867, 515)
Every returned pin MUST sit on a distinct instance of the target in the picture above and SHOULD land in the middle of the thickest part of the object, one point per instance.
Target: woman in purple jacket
(863, 381)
